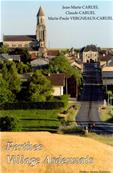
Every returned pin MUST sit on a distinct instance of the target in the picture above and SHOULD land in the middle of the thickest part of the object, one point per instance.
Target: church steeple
(40, 12)
(41, 28)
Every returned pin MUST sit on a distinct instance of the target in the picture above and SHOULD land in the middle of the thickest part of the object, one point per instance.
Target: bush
(64, 99)
(8, 124)
(32, 105)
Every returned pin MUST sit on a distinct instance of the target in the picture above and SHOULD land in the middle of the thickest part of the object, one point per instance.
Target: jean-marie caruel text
(80, 12)
(18, 158)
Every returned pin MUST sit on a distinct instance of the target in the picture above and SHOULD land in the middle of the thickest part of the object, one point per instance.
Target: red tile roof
(33, 56)
(105, 58)
(53, 53)
(57, 79)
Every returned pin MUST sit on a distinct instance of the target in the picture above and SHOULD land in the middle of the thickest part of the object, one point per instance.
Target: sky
(19, 17)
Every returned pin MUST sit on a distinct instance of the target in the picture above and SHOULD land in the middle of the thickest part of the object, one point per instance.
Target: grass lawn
(34, 119)
(102, 138)
(106, 114)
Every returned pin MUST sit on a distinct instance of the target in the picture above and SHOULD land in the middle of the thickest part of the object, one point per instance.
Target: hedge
(31, 105)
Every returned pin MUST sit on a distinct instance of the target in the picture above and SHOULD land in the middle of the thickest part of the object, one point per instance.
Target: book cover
(56, 86)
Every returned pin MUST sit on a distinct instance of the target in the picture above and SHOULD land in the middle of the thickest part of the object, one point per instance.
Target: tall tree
(26, 56)
(5, 94)
(4, 49)
(62, 65)
(9, 73)
(40, 88)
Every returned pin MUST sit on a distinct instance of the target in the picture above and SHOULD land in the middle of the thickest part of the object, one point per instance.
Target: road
(91, 99)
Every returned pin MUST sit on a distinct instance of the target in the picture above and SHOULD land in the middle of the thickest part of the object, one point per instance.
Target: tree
(25, 56)
(61, 64)
(40, 88)
(4, 49)
(5, 94)
(23, 68)
(9, 73)
(8, 124)
(110, 96)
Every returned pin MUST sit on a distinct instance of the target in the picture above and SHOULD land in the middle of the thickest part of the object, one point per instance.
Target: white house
(90, 52)
(58, 83)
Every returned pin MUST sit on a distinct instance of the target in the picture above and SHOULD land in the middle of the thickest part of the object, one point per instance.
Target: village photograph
(56, 86)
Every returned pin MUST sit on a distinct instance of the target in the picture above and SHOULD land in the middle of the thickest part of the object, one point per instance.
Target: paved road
(89, 111)
(91, 98)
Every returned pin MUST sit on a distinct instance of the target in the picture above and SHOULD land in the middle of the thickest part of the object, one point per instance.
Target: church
(34, 43)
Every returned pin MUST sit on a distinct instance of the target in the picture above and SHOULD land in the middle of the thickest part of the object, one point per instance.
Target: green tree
(25, 56)
(40, 88)
(5, 94)
(4, 49)
(110, 96)
(23, 68)
(61, 64)
(9, 73)
(8, 124)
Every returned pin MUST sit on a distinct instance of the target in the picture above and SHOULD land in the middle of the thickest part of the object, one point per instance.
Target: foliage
(8, 123)
(9, 73)
(1, 64)
(23, 68)
(40, 88)
(110, 96)
(32, 105)
(61, 64)
(34, 119)
(4, 49)
(64, 98)
(25, 56)
(5, 94)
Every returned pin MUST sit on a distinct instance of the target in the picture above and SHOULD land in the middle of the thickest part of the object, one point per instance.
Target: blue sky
(19, 17)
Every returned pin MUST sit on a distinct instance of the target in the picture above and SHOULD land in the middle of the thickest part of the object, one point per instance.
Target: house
(106, 59)
(107, 76)
(5, 57)
(51, 53)
(90, 52)
(16, 58)
(39, 63)
(58, 83)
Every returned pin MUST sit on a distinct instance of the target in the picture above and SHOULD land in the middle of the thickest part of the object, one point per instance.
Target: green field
(34, 119)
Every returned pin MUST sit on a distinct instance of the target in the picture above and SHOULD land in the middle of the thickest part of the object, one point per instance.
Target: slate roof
(40, 12)
(19, 37)
(105, 58)
(57, 79)
(107, 75)
(39, 62)
(4, 57)
(110, 63)
(90, 48)
(16, 57)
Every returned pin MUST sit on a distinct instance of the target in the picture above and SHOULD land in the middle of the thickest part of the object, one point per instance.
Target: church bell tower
(41, 28)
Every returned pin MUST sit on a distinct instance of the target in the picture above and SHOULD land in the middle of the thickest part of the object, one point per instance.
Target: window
(19, 45)
(13, 45)
(26, 45)
(7, 45)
